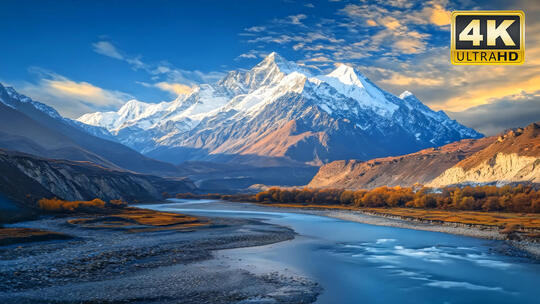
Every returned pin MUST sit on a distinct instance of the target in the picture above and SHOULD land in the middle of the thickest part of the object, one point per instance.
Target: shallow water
(360, 263)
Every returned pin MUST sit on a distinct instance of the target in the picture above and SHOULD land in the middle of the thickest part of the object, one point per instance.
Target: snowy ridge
(246, 106)
(14, 100)
(345, 80)
(15, 97)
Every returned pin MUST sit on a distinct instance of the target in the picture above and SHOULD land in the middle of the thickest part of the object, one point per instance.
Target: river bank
(113, 264)
(528, 246)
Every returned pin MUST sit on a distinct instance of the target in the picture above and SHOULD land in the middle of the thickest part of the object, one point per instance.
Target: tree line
(59, 205)
(518, 198)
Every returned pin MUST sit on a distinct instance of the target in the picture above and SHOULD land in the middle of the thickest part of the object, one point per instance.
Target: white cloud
(318, 59)
(296, 19)
(72, 98)
(248, 55)
(174, 88)
(106, 48)
(512, 111)
(365, 29)
(255, 29)
(161, 69)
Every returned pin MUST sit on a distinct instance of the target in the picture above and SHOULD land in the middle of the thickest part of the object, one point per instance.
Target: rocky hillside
(512, 157)
(406, 170)
(26, 178)
(33, 127)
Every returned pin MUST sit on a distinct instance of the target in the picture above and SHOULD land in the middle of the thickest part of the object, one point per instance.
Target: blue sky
(83, 56)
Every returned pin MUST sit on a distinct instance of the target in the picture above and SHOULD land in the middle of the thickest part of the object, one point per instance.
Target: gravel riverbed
(115, 266)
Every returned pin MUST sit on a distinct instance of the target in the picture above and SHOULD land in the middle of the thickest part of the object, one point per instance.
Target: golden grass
(21, 232)
(309, 206)
(139, 220)
(59, 205)
(498, 219)
(22, 235)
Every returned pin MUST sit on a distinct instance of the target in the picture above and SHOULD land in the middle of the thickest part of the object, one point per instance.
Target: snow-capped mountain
(278, 110)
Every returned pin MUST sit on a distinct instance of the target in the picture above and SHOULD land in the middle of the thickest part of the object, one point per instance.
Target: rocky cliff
(513, 157)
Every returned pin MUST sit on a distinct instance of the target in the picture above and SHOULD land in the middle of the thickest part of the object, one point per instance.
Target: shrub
(487, 198)
(58, 205)
(117, 203)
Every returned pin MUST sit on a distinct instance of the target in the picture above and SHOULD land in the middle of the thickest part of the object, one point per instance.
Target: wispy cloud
(161, 69)
(71, 98)
(296, 19)
(253, 54)
(358, 30)
(510, 112)
(248, 55)
(108, 49)
(175, 89)
(255, 29)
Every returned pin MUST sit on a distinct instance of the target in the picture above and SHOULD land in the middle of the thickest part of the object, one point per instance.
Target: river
(360, 263)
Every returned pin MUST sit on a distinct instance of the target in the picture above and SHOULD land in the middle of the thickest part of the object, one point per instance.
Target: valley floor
(107, 263)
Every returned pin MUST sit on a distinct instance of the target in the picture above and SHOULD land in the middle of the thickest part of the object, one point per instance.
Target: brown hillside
(406, 170)
(25, 178)
(522, 141)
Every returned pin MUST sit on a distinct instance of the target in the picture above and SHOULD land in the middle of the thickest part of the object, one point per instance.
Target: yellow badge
(488, 37)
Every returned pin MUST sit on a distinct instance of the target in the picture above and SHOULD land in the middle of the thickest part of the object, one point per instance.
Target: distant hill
(26, 178)
(405, 170)
(511, 157)
(233, 178)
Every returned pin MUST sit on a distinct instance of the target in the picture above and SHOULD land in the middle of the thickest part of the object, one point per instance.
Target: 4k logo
(488, 37)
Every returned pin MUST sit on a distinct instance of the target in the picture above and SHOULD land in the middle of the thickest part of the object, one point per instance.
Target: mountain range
(279, 113)
(275, 123)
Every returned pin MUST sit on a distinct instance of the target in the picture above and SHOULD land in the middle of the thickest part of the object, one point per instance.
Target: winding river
(360, 263)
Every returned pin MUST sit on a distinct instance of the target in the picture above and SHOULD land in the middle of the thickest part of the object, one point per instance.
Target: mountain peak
(271, 56)
(345, 73)
(274, 57)
(15, 99)
(14, 94)
(282, 64)
(133, 107)
(406, 94)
